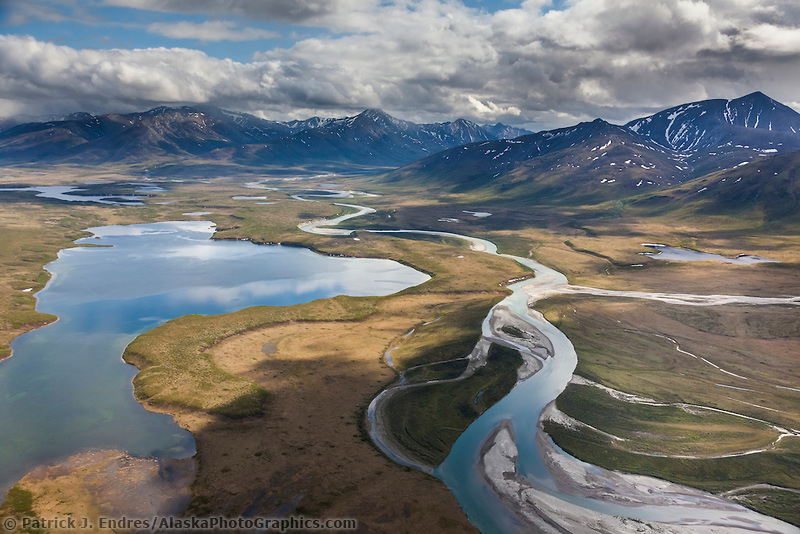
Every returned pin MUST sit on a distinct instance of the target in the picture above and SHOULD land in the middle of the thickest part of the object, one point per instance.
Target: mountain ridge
(585, 160)
(597, 161)
(206, 131)
(588, 163)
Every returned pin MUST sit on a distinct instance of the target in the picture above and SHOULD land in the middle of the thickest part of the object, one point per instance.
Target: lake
(665, 252)
(66, 388)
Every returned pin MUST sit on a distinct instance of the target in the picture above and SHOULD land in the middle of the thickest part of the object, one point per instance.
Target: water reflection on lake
(66, 388)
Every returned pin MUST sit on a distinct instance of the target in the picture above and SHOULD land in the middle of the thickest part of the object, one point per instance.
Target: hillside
(156, 134)
(768, 189)
(593, 160)
(372, 137)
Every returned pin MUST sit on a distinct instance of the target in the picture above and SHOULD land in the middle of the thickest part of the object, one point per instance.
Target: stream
(509, 476)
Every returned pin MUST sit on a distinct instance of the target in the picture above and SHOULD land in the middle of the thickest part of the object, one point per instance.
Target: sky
(539, 64)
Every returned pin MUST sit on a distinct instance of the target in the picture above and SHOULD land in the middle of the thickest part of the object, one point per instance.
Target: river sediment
(508, 479)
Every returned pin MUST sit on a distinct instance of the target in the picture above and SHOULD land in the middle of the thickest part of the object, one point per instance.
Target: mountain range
(167, 134)
(715, 153)
(597, 161)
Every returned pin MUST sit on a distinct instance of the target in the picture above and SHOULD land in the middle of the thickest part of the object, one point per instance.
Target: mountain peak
(756, 95)
(758, 111)
(380, 118)
(599, 125)
(756, 99)
(712, 124)
(375, 114)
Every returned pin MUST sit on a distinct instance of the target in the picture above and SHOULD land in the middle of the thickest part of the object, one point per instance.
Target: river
(507, 474)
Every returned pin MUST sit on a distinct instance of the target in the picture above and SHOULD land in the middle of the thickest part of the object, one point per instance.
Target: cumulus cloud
(434, 60)
(44, 75)
(773, 40)
(210, 31)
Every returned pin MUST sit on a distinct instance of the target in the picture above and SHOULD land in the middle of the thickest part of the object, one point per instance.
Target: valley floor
(306, 452)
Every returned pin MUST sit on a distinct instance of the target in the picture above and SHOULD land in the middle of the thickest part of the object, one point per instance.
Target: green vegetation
(437, 371)
(632, 346)
(451, 337)
(176, 372)
(715, 475)
(426, 420)
(776, 502)
(571, 245)
(664, 430)
(19, 502)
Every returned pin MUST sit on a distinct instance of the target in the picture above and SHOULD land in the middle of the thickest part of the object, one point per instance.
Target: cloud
(427, 60)
(210, 31)
(47, 75)
(15, 12)
(773, 40)
(492, 109)
(295, 11)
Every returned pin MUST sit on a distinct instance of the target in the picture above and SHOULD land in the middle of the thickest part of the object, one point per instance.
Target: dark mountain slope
(370, 138)
(768, 188)
(159, 133)
(593, 162)
(717, 134)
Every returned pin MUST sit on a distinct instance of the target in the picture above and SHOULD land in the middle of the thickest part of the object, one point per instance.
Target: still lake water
(665, 252)
(66, 389)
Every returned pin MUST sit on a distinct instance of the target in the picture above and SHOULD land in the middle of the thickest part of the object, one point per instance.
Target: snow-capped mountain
(601, 161)
(593, 158)
(717, 134)
(372, 137)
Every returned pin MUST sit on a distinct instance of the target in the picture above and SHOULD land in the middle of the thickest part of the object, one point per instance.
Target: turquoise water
(66, 388)
(521, 408)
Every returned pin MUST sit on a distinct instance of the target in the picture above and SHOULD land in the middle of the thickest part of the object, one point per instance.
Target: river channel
(507, 474)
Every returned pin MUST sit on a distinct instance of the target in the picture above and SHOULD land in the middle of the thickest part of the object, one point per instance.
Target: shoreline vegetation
(317, 361)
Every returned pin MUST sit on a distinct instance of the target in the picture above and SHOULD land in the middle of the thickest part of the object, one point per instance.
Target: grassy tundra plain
(275, 397)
